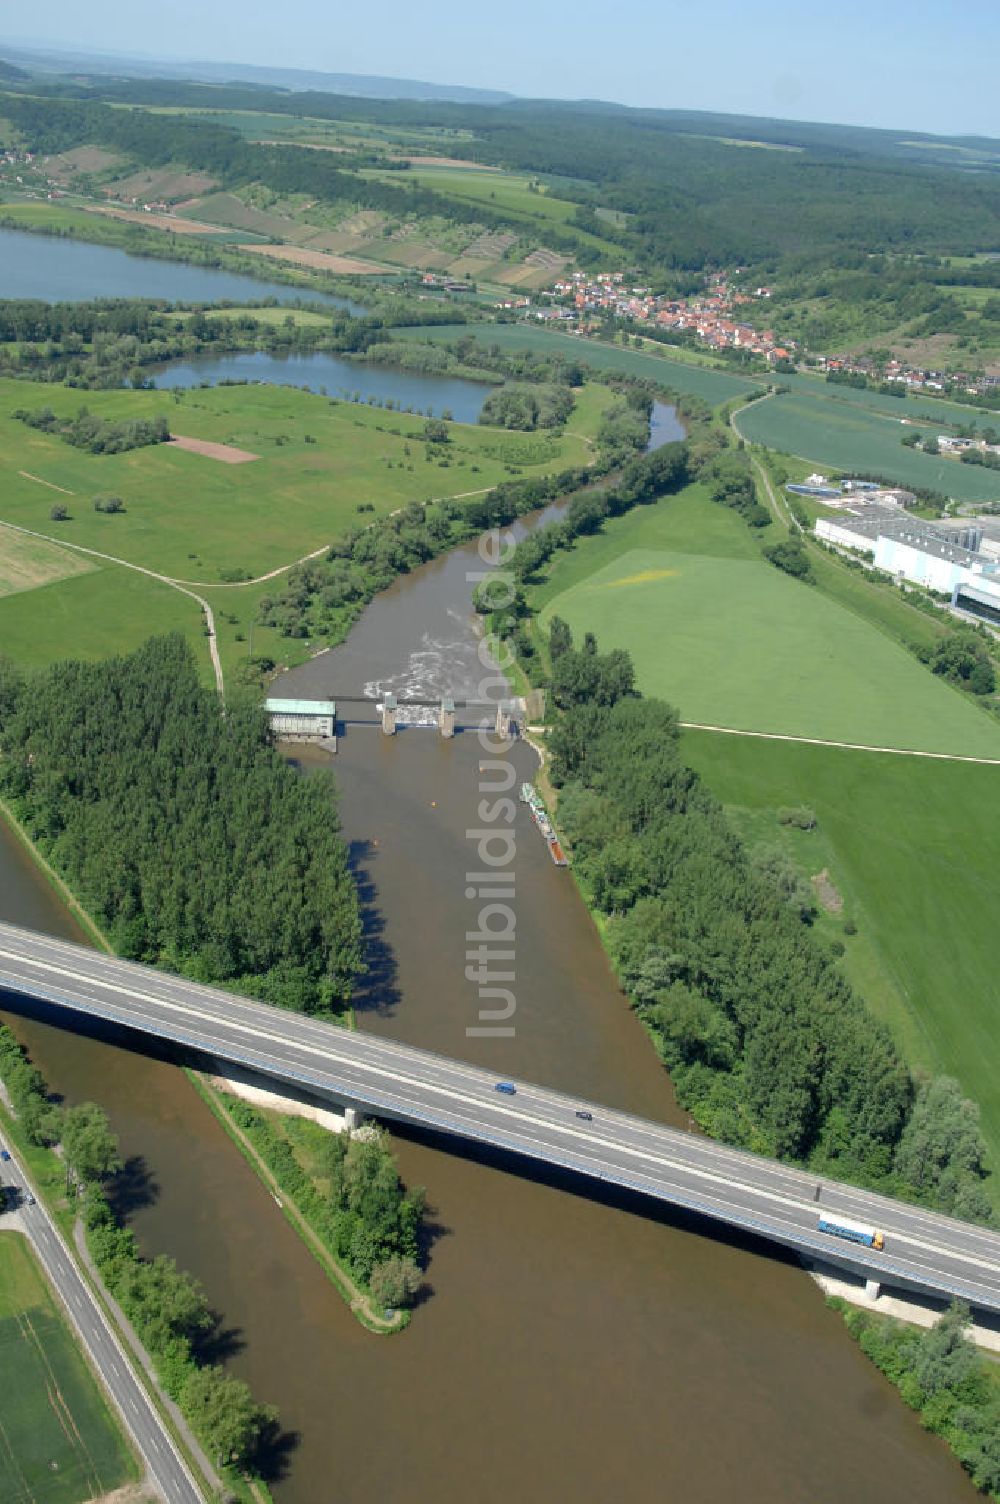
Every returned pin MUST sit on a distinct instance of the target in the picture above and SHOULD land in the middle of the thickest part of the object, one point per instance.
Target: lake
(57, 269)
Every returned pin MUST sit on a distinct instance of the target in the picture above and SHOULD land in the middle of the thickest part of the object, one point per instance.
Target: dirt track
(227, 454)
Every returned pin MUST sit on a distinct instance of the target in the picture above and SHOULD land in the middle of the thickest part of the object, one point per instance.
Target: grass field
(58, 1442)
(191, 517)
(913, 846)
(732, 641)
(715, 387)
(94, 615)
(845, 435)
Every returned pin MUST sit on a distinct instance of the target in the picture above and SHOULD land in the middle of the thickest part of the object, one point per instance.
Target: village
(582, 297)
(710, 320)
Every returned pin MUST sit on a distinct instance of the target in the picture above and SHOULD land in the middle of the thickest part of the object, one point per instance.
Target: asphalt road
(923, 1250)
(166, 1469)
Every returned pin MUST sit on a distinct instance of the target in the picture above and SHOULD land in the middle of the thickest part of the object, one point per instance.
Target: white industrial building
(302, 720)
(931, 562)
(943, 557)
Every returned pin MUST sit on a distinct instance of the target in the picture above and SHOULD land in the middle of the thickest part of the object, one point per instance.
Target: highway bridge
(923, 1251)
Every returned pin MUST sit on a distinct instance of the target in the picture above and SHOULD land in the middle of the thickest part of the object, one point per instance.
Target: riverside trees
(767, 1044)
(183, 832)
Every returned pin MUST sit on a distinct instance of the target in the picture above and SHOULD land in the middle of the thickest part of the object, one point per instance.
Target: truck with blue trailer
(854, 1232)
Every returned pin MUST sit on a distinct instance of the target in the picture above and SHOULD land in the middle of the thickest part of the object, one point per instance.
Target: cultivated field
(714, 386)
(913, 846)
(26, 563)
(846, 435)
(937, 412)
(58, 1442)
(319, 261)
(732, 641)
(910, 845)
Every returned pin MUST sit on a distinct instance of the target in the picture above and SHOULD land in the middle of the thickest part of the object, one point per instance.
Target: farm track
(164, 579)
(818, 741)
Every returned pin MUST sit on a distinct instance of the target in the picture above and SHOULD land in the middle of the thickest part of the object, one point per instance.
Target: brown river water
(578, 1347)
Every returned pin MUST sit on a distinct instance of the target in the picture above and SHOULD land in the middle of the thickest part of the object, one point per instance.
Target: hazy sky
(914, 64)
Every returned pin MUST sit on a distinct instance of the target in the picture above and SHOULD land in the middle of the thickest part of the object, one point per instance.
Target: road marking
(329, 1054)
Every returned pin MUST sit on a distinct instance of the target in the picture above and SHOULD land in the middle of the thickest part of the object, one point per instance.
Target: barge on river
(531, 797)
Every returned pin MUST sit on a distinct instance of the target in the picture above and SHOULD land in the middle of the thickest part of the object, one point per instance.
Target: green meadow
(105, 611)
(58, 1441)
(909, 845)
(732, 641)
(191, 517)
(850, 437)
(912, 846)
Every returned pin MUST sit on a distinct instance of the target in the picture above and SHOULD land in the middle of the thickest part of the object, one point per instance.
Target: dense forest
(183, 832)
(767, 1044)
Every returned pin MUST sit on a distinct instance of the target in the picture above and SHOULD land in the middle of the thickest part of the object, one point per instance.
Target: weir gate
(323, 721)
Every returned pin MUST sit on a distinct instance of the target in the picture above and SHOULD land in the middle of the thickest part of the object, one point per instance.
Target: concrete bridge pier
(389, 714)
(446, 717)
(873, 1289)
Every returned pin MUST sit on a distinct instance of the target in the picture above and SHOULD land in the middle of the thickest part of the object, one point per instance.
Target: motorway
(165, 1467)
(923, 1251)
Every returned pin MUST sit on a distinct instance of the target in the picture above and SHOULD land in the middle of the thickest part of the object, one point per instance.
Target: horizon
(776, 71)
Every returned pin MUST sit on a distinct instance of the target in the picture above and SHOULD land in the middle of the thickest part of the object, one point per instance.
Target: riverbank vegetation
(768, 1045)
(940, 1374)
(183, 833)
(167, 1308)
(324, 596)
(347, 1189)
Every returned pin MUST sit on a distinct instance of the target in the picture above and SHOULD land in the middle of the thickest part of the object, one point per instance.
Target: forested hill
(184, 833)
(673, 190)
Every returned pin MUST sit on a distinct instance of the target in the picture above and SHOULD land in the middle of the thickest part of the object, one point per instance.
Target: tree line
(183, 831)
(941, 1376)
(767, 1044)
(352, 1198)
(98, 435)
(692, 200)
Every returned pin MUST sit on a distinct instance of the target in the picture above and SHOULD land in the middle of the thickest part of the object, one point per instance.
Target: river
(574, 1346)
(31, 266)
